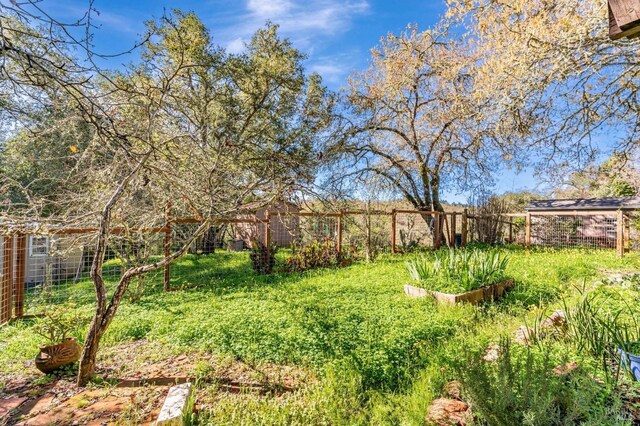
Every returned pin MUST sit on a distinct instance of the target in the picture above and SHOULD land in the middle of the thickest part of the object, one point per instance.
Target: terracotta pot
(56, 356)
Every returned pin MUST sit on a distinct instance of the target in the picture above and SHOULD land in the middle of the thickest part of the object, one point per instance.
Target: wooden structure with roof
(601, 222)
(624, 19)
(585, 204)
(283, 223)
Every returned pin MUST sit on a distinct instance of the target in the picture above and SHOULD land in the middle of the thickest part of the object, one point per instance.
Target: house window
(38, 246)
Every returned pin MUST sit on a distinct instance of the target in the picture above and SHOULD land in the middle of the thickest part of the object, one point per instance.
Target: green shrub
(599, 324)
(314, 255)
(262, 260)
(521, 388)
(58, 322)
(459, 270)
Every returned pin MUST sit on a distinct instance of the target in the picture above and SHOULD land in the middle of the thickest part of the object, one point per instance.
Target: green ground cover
(379, 357)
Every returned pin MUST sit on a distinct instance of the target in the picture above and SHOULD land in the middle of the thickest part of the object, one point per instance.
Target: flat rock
(42, 403)
(524, 335)
(175, 405)
(492, 353)
(415, 292)
(444, 411)
(557, 319)
(9, 404)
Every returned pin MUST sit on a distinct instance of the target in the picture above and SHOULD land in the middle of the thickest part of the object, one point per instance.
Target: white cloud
(235, 46)
(327, 16)
(306, 22)
(311, 25)
(269, 8)
(335, 69)
(330, 72)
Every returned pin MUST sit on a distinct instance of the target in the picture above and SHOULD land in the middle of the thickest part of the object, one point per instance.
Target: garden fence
(41, 268)
(590, 229)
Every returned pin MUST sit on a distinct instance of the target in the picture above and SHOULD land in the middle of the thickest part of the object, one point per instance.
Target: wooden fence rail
(443, 227)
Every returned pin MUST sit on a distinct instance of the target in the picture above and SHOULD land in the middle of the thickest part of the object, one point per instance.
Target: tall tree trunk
(98, 327)
(209, 240)
(434, 187)
(435, 194)
(104, 314)
(89, 352)
(88, 358)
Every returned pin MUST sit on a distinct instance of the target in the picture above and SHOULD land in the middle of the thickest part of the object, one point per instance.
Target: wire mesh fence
(40, 269)
(632, 231)
(597, 231)
(6, 279)
(497, 229)
(453, 230)
(413, 231)
(56, 269)
(53, 268)
(366, 234)
(297, 230)
(591, 230)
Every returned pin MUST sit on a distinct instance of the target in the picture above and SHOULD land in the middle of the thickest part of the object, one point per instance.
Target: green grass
(380, 357)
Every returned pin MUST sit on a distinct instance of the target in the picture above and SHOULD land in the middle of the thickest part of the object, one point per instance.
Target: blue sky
(336, 35)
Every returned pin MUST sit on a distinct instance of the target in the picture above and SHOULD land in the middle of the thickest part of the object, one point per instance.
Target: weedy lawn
(371, 355)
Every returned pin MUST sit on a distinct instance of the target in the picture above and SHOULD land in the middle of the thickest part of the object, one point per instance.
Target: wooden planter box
(482, 294)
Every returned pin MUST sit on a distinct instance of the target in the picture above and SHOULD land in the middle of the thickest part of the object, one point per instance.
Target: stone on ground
(9, 404)
(492, 353)
(444, 411)
(566, 369)
(557, 319)
(175, 405)
(524, 335)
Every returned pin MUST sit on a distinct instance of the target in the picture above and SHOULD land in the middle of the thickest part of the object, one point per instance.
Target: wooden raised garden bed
(492, 292)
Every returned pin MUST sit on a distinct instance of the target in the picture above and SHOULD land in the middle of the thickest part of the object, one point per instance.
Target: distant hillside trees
(618, 176)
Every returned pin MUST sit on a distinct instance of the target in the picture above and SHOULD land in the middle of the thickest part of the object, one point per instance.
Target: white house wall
(62, 264)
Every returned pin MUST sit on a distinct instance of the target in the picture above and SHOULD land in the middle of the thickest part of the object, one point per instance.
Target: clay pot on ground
(53, 357)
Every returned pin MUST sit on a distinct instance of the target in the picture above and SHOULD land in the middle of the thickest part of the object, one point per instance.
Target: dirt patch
(131, 383)
(100, 406)
(148, 363)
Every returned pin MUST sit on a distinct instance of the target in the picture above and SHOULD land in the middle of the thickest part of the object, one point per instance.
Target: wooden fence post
(510, 230)
(436, 230)
(267, 241)
(527, 237)
(167, 247)
(452, 239)
(7, 280)
(627, 232)
(465, 227)
(620, 234)
(393, 230)
(20, 275)
(339, 242)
